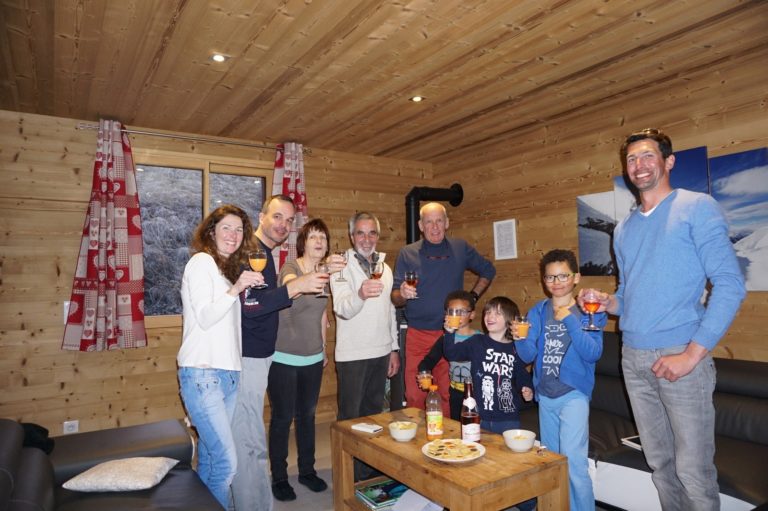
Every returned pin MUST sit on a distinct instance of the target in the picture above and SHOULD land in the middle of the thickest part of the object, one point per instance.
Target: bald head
(433, 222)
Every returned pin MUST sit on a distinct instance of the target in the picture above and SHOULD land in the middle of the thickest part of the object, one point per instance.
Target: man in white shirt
(366, 330)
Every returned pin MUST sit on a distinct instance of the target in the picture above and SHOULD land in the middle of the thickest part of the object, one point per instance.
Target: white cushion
(122, 475)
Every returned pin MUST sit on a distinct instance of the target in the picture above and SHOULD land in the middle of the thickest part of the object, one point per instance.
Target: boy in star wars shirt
(497, 371)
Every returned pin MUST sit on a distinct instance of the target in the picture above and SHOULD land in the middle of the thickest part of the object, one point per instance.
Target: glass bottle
(470, 417)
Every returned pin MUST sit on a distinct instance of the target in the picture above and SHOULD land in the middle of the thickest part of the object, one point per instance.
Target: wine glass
(377, 269)
(591, 304)
(412, 278)
(323, 267)
(340, 277)
(257, 258)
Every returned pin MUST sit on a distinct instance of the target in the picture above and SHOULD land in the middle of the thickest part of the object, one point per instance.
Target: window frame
(252, 167)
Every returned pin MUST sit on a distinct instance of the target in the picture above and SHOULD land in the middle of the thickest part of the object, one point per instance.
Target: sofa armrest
(73, 454)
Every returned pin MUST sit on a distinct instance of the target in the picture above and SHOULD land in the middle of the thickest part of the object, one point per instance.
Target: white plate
(479, 451)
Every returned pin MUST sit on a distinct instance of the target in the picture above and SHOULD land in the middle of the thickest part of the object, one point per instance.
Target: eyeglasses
(561, 277)
(458, 312)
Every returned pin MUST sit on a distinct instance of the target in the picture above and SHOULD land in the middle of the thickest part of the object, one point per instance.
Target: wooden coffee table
(499, 479)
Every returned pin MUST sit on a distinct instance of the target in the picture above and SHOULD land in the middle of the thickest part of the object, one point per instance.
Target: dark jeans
(293, 394)
(361, 386)
(456, 401)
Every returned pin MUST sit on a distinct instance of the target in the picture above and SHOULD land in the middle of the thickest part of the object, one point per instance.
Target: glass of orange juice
(257, 259)
(454, 318)
(425, 379)
(521, 321)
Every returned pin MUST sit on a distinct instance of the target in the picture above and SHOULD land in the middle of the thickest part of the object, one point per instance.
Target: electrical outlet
(66, 311)
(71, 427)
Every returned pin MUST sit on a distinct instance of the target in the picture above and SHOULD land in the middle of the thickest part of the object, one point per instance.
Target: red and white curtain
(106, 309)
(288, 179)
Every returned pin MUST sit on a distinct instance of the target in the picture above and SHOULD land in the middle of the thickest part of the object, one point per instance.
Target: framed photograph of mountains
(740, 185)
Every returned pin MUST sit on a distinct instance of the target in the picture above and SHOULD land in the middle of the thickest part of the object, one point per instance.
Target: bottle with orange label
(434, 408)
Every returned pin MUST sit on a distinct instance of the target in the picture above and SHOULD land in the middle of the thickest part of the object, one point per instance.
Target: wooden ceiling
(337, 74)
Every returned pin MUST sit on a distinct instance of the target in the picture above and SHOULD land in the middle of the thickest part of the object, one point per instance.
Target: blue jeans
(500, 427)
(564, 424)
(676, 422)
(293, 394)
(209, 396)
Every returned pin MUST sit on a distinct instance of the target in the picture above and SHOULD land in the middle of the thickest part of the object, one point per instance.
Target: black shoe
(283, 491)
(313, 482)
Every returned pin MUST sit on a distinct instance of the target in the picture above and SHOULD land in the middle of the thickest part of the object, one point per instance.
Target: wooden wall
(45, 180)
(536, 175)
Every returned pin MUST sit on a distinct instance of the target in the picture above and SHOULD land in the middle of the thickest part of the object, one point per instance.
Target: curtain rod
(90, 126)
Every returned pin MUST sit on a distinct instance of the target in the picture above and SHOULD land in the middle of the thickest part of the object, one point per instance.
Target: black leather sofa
(741, 427)
(31, 480)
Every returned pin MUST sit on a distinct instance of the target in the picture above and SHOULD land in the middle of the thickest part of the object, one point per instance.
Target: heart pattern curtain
(106, 308)
(288, 179)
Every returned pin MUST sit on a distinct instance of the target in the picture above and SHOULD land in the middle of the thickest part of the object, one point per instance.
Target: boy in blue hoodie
(564, 356)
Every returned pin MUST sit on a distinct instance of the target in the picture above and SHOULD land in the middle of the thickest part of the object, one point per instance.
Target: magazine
(381, 493)
(633, 442)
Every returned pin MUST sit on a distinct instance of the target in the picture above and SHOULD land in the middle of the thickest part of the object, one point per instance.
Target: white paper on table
(412, 501)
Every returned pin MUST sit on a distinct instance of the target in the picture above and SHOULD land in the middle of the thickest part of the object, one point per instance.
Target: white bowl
(519, 440)
(403, 431)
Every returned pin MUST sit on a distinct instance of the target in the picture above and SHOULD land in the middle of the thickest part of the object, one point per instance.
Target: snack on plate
(452, 449)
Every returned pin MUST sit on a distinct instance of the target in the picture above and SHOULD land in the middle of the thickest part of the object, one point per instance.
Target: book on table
(380, 493)
(633, 442)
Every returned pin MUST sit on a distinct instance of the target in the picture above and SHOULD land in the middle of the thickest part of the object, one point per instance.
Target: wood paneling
(337, 74)
(45, 180)
(535, 177)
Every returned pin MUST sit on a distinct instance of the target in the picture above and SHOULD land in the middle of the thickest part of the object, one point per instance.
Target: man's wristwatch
(475, 296)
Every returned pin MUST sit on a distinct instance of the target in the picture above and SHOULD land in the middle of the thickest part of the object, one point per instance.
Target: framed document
(505, 239)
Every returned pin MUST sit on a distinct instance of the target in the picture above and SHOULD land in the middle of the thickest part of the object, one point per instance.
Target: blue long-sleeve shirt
(498, 374)
(665, 260)
(577, 368)
(441, 269)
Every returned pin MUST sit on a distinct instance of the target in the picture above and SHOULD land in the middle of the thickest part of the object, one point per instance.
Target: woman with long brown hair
(209, 358)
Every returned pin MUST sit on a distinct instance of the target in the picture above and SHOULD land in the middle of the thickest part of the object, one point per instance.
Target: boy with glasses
(459, 371)
(564, 356)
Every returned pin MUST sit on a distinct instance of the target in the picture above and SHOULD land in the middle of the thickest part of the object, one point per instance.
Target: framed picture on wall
(505, 239)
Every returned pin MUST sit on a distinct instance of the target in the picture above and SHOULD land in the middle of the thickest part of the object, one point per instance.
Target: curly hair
(203, 240)
(559, 255)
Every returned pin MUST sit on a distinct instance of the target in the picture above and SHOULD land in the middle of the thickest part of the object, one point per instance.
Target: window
(175, 194)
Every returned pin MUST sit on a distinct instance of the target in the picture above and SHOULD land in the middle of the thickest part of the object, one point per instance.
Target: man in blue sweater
(666, 250)
(440, 263)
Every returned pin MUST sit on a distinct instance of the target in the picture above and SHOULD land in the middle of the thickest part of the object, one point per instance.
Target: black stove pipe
(454, 195)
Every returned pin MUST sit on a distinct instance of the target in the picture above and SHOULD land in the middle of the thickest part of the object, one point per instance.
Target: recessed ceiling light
(218, 57)
(417, 99)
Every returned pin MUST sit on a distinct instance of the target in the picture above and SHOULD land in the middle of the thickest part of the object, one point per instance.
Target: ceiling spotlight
(417, 99)
(218, 57)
